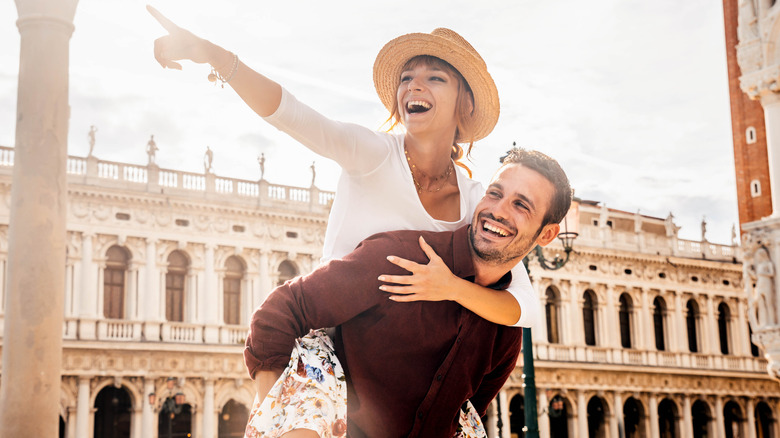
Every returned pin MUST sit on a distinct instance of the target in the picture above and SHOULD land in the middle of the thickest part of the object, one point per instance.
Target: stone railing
(635, 357)
(152, 178)
(600, 237)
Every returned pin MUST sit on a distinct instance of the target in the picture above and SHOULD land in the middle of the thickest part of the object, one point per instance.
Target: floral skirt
(312, 394)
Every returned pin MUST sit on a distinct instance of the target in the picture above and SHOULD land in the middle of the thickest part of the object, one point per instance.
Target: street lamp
(170, 402)
(529, 385)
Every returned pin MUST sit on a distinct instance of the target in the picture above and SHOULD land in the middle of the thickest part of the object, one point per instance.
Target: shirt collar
(463, 264)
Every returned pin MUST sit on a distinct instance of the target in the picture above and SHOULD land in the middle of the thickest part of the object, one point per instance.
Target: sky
(631, 97)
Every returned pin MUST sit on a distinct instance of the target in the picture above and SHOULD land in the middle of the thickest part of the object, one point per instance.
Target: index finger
(169, 25)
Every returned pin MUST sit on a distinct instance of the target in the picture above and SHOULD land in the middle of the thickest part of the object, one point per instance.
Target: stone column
(152, 294)
(742, 344)
(265, 280)
(653, 408)
(209, 413)
(83, 407)
(681, 332)
(544, 419)
(147, 415)
(612, 330)
(720, 424)
(645, 331)
(30, 390)
(710, 329)
(616, 426)
(687, 418)
(751, 418)
(582, 415)
(210, 297)
(88, 300)
(505, 430)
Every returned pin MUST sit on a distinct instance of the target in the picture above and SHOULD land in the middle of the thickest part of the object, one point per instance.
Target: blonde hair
(464, 116)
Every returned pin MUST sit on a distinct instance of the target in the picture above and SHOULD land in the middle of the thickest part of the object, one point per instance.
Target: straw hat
(451, 47)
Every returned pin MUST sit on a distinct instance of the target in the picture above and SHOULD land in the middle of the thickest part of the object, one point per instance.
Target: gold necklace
(444, 177)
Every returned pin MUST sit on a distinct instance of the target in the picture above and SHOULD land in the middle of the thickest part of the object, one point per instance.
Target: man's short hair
(550, 169)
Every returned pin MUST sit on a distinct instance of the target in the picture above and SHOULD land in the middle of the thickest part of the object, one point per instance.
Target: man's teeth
(496, 230)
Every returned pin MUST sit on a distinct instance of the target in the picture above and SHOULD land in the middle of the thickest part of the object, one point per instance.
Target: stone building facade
(645, 334)
(163, 271)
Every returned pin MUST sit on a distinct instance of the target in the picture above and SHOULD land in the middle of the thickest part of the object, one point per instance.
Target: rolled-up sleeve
(331, 295)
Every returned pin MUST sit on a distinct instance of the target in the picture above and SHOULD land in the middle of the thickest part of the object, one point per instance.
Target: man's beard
(515, 250)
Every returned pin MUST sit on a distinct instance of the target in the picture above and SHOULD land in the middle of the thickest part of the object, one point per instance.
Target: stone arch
(669, 418)
(724, 327)
(734, 420)
(286, 270)
(552, 314)
(634, 417)
(559, 411)
(626, 319)
(598, 414)
(516, 414)
(589, 311)
(701, 417)
(764, 419)
(136, 395)
(228, 390)
(659, 314)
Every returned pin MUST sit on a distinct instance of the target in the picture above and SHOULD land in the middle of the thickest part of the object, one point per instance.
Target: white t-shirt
(375, 191)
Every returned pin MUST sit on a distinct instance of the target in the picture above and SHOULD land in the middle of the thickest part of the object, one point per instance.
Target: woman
(438, 87)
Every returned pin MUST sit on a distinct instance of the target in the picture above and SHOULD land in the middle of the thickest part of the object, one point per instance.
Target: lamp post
(567, 237)
(170, 402)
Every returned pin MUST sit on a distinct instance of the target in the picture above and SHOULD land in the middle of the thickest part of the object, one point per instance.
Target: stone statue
(313, 173)
(669, 225)
(151, 150)
(208, 158)
(703, 228)
(762, 309)
(91, 135)
(733, 235)
(261, 162)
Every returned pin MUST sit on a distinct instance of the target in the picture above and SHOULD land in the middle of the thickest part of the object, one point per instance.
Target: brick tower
(754, 195)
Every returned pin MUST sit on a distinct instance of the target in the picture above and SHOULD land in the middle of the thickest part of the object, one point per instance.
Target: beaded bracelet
(214, 76)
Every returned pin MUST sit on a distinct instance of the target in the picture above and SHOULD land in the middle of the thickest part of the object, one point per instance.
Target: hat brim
(393, 56)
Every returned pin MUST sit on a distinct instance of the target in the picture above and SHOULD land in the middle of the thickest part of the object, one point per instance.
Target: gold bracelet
(215, 76)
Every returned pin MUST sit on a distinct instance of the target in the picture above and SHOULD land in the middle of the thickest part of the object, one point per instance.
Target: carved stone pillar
(147, 415)
(758, 55)
(582, 415)
(544, 418)
(82, 408)
(687, 416)
(31, 365)
(653, 408)
(751, 418)
(209, 412)
(616, 427)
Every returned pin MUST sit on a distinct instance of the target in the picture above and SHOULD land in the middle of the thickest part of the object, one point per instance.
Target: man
(411, 366)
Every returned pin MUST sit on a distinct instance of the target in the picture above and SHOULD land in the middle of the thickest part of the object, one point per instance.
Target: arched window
(231, 290)
(232, 420)
(753, 347)
(624, 316)
(667, 419)
(764, 420)
(659, 310)
(551, 312)
(516, 415)
(589, 317)
(114, 282)
(287, 271)
(178, 265)
(724, 318)
(701, 417)
(691, 319)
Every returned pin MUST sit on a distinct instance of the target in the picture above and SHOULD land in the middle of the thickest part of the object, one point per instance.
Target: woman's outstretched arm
(260, 93)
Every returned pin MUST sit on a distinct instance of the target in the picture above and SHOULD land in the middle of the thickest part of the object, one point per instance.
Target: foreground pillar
(32, 341)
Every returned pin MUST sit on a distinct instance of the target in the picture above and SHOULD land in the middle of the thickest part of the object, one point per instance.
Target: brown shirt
(409, 366)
